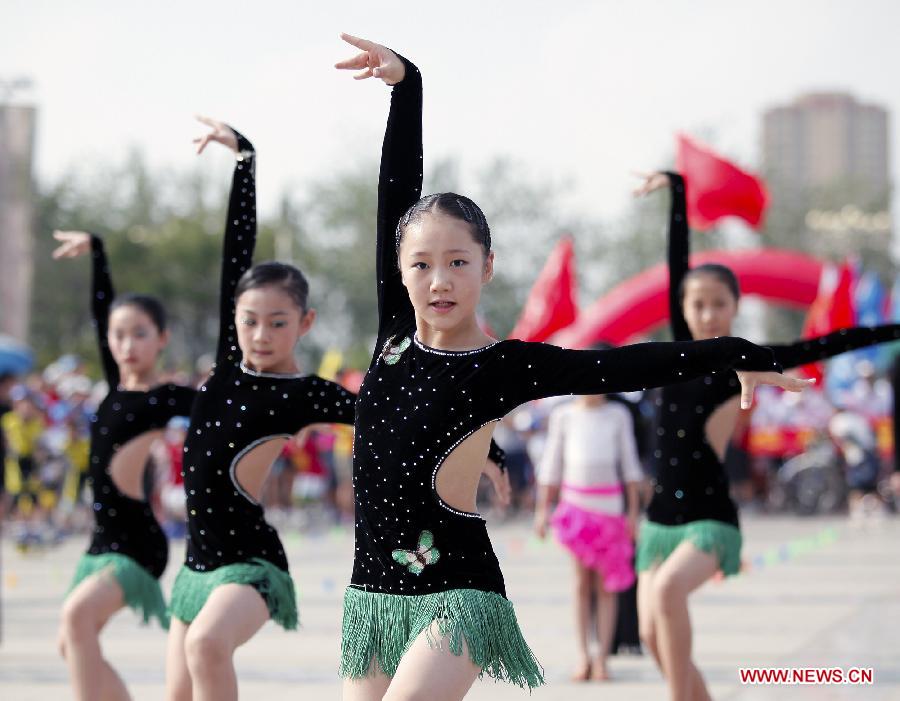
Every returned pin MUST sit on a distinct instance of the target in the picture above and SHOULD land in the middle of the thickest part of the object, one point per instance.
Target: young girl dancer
(692, 527)
(235, 576)
(588, 440)
(128, 550)
(426, 611)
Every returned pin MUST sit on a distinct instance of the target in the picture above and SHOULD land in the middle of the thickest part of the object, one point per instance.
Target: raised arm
(400, 174)
(813, 349)
(240, 230)
(76, 243)
(679, 245)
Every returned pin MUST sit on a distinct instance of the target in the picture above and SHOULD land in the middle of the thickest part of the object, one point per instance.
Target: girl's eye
(247, 322)
(420, 265)
(458, 263)
(279, 324)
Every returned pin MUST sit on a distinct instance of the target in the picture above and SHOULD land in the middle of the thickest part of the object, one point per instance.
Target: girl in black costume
(692, 526)
(426, 611)
(128, 550)
(235, 576)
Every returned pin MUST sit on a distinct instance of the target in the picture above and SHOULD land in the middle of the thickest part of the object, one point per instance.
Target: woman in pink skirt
(589, 440)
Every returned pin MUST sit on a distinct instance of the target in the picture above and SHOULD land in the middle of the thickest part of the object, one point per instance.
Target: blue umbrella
(15, 357)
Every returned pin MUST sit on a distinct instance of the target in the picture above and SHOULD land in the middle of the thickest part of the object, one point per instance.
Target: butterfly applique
(424, 554)
(391, 351)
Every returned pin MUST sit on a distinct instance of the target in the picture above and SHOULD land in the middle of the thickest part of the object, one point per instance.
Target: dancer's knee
(78, 621)
(204, 653)
(669, 595)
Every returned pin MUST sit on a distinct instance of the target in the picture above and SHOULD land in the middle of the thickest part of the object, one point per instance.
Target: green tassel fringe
(381, 627)
(192, 589)
(140, 589)
(656, 542)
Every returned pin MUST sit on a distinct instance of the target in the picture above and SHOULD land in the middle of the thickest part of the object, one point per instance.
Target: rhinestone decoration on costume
(122, 524)
(238, 409)
(690, 483)
(416, 405)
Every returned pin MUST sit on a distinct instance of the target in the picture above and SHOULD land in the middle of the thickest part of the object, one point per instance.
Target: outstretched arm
(812, 349)
(400, 174)
(537, 370)
(77, 243)
(240, 229)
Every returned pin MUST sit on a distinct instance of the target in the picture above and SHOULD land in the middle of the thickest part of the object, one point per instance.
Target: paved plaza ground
(819, 593)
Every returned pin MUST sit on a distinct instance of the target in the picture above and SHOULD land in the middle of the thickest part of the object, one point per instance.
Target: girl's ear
(164, 338)
(488, 273)
(307, 320)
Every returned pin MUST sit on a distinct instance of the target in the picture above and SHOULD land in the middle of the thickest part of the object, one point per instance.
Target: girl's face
(709, 306)
(134, 340)
(443, 269)
(269, 324)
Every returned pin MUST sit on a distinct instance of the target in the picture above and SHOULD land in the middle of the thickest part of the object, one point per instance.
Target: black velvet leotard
(124, 525)
(238, 409)
(417, 403)
(690, 482)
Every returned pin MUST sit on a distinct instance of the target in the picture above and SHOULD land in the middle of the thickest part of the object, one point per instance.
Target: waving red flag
(831, 310)
(717, 188)
(551, 302)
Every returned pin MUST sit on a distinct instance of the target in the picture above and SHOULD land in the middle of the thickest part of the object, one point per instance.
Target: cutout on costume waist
(455, 479)
(128, 464)
(720, 425)
(251, 466)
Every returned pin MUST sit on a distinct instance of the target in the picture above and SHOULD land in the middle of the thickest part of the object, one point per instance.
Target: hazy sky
(587, 89)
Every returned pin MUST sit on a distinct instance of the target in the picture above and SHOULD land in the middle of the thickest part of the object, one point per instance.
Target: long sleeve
(628, 456)
(550, 467)
(842, 341)
(237, 248)
(399, 187)
(679, 250)
(102, 295)
(530, 371)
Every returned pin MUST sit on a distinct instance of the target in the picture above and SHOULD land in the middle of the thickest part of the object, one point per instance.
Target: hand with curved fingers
(72, 244)
(220, 132)
(652, 181)
(374, 61)
(751, 380)
(500, 481)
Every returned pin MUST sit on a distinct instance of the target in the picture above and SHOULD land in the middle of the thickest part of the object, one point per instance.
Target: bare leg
(432, 673)
(370, 688)
(232, 615)
(683, 572)
(583, 588)
(647, 614)
(178, 678)
(607, 611)
(86, 610)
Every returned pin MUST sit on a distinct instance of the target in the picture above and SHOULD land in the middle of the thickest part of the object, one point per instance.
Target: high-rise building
(17, 131)
(827, 139)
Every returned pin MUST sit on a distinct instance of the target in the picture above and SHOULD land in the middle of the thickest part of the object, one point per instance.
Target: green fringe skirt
(656, 542)
(379, 628)
(140, 589)
(192, 589)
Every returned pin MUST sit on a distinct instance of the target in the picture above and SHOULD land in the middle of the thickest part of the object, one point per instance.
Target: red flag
(551, 302)
(831, 310)
(717, 188)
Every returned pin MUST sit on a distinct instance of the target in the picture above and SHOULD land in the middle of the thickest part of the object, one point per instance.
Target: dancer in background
(692, 523)
(235, 575)
(128, 550)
